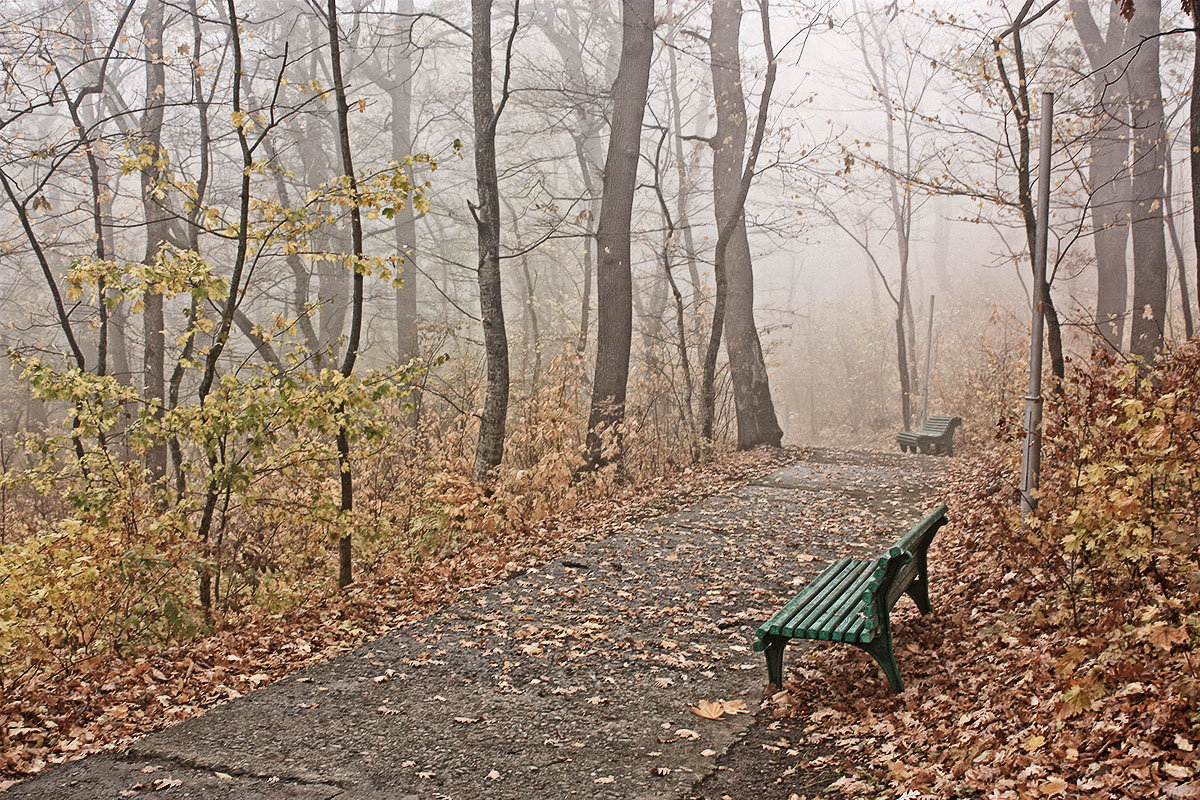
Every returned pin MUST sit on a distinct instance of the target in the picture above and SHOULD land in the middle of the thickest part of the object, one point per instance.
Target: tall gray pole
(928, 359)
(1031, 456)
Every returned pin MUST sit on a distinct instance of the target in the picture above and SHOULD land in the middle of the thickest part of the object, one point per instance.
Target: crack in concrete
(152, 756)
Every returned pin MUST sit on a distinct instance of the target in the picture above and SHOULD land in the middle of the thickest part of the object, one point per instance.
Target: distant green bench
(851, 601)
(935, 436)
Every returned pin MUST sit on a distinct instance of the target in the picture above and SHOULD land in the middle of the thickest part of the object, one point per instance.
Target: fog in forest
(303, 253)
(889, 167)
(320, 316)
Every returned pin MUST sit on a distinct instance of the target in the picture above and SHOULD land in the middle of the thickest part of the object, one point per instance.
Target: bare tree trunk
(614, 281)
(490, 450)
(685, 185)
(582, 140)
(902, 363)
(157, 222)
(1146, 209)
(405, 222)
(1194, 141)
(1185, 300)
(1018, 96)
(345, 566)
(756, 420)
(1108, 168)
(681, 344)
(532, 330)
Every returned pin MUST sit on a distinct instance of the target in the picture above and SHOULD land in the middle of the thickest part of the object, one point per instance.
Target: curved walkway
(575, 678)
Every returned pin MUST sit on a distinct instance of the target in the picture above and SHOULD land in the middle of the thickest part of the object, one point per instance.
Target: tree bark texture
(1108, 168)
(157, 221)
(614, 281)
(405, 222)
(490, 450)
(756, 420)
(1149, 157)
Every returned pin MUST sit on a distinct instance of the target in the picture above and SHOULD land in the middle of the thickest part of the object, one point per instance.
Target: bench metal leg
(918, 590)
(773, 649)
(880, 649)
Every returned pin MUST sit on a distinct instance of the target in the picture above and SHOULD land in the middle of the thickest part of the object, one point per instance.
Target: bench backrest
(940, 426)
(896, 568)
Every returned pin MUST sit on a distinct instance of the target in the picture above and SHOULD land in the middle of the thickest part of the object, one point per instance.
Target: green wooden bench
(851, 601)
(935, 436)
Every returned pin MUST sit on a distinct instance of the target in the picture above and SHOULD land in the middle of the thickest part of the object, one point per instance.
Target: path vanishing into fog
(574, 677)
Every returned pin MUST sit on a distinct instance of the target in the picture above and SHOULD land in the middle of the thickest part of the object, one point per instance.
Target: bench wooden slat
(816, 607)
(922, 528)
(784, 615)
(822, 628)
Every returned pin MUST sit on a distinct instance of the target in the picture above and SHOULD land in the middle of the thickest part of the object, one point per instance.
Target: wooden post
(928, 359)
(1031, 455)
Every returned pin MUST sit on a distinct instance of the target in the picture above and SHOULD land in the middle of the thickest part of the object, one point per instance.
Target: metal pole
(1031, 456)
(928, 358)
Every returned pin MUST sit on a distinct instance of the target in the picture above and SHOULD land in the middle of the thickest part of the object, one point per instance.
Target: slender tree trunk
(582, 140)
(345, 566)
(614, 280)
(1185, 300)
(228, 310)
(683, 196)
(902, 363)
(492, 425)
(1149, 157)
(756, 420)
(405, 222)
(1022, 114)
(1194, 141)
(157, 221)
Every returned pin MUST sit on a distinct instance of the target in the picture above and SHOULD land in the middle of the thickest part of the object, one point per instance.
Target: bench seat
(851, 602)
(936, 436)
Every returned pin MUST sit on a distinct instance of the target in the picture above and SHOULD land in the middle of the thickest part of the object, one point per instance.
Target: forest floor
(580, 675)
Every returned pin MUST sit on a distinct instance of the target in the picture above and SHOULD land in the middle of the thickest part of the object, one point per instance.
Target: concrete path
(574, 678)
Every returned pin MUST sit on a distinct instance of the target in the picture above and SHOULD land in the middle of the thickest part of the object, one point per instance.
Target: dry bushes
(119, 562)
(1062, 659)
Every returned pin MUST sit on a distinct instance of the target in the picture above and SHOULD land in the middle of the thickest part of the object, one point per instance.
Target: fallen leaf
(1053, 787)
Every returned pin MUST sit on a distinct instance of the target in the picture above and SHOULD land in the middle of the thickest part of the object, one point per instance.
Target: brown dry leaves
(715, 709)
(103, 703)
(1001, 702)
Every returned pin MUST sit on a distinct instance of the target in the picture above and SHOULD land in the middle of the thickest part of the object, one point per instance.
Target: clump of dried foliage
(1062, 656)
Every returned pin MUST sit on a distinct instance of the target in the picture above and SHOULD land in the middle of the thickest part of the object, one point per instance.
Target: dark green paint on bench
(936, 436)
(851, 601)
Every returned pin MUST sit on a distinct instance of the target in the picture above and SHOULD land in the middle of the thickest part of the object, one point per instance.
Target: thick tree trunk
(1108, 168)
(490, 450)
(756, 420)
(614, 281)
(1146, 210)
(157, 221)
